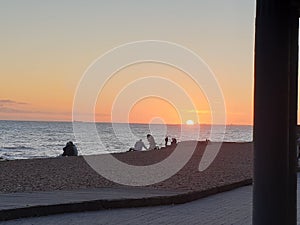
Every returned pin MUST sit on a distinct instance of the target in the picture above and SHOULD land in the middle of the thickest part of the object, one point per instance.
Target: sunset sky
(46, 46)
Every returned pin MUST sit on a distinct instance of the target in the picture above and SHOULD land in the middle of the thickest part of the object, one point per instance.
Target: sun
(189, 122)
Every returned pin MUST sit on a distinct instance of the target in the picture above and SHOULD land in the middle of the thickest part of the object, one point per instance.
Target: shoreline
(232, 164)
(2, 159)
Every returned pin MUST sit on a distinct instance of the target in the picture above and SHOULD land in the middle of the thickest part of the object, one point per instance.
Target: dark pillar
(274, 112)
(293, 36)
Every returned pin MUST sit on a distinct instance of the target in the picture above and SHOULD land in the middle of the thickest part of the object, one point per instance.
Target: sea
(30, 139)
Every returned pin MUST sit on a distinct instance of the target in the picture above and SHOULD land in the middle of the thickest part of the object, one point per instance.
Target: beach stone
(232, 164)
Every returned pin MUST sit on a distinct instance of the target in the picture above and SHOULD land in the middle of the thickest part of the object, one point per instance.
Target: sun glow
(189, 122)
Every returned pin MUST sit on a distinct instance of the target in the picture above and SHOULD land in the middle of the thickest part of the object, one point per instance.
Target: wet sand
(232, 164)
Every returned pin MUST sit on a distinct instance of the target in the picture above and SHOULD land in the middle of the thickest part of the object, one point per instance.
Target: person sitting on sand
(70, 149)
(152, 144)
(138, 146)
(174, 142)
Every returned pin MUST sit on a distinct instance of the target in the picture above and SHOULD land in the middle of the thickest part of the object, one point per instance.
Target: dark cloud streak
(12, 110)
(11, 102)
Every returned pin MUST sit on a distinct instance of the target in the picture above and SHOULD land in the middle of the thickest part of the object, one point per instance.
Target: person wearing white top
(152, 144)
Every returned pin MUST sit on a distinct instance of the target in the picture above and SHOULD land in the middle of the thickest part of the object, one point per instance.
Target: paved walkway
(22, 205)
(33, 199)
(233, 207)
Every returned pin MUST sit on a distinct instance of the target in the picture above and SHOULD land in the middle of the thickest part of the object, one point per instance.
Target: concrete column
(274, 113)
(294, 40)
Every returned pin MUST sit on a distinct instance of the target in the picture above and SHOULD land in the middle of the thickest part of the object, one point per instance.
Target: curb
(94, 205)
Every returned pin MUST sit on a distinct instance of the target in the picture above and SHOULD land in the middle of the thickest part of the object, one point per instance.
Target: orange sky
(47, 47)
(168, 81)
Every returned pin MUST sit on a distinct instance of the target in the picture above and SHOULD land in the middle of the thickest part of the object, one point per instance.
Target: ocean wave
(16, 148)
(47, 139)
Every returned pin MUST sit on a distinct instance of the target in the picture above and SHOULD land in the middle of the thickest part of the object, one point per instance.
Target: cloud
(11, 106)
(11, 102)
(12, 110)
(8, 110)
(8, 106)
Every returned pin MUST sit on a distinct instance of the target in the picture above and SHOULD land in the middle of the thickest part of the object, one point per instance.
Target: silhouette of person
(174, 142)
(138, 146)
(166, 141)
(152, 144)
(70, 149)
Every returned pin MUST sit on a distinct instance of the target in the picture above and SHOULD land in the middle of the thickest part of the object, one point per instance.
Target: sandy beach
(232, 164)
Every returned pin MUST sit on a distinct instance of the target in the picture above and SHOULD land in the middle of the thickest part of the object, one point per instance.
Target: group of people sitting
(139, 145)
(71, 150)
(173, 142)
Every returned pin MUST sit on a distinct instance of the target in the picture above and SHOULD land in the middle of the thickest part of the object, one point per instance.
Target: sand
(232, 164)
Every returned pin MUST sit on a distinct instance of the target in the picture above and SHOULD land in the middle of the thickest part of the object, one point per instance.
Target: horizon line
(174, 124)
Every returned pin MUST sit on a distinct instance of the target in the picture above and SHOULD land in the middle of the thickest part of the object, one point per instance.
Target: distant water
(24, 139)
